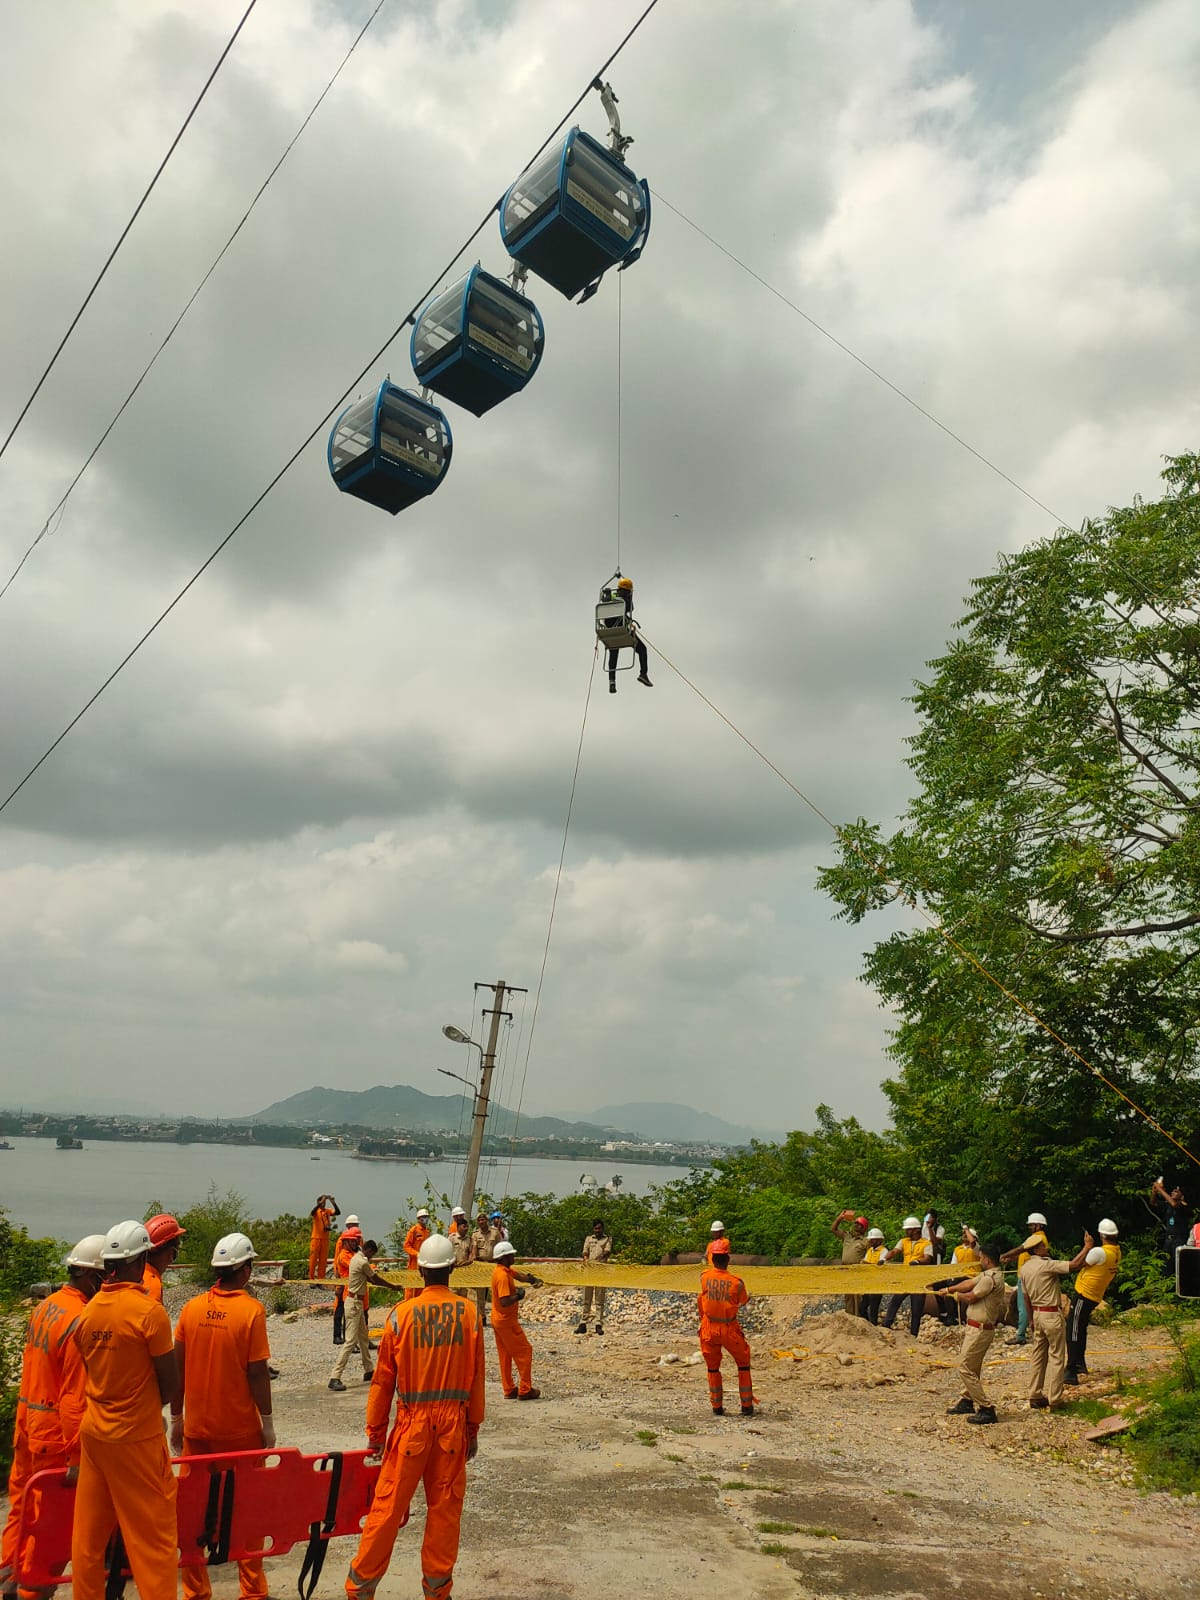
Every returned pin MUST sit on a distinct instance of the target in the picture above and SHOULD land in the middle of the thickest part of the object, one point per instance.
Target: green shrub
(1164, 1442)
(25, 1261)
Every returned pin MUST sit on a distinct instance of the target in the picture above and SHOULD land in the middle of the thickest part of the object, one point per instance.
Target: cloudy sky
(329, 794)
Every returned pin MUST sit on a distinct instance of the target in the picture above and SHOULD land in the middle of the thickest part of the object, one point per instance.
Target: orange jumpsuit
(125, 1476)
(218, 1335)
(431, 1358)
(49, 1407)
(413, 1240)
(318, 1244)
(721, 1293)
(708, 1254)
(512, 1345)
(152, 1282)
(346, 1247)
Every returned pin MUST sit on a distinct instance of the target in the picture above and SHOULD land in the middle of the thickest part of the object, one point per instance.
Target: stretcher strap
(319, 1533)
(116, 1561)
(218, 1517)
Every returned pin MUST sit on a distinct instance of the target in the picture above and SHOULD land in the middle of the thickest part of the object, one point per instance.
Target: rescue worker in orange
(346, 1247)
(322, 1215)
(718, 1237)
(125, 1478)
(413, 1240)
(721, 1293)
(512, 1345)
(50, 1398)
(224, 1403)
(165, 1234)
(431, 1359)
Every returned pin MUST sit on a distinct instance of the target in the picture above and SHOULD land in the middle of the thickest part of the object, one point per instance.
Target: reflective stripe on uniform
(34, 1405)
(416, 1397)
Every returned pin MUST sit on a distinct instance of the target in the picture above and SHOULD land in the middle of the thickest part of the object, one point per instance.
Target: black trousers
(916, 1310)
(1078, 1318)
(868, 1306)
(643, 661)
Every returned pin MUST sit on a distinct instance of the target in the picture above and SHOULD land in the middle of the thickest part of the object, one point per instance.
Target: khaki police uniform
(854, 1250)
(1042, 1281)
(596, 1251)
(357, 1336)
(483, 1242)
(983, 1315)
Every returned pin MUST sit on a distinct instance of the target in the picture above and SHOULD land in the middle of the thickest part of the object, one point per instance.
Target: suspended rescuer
(165, 1234)
(913, 1251)
(484, 1239)
(852, 1231)
(224, 1403)
(1101, 1263)
(359, 1276)
(597, 1247)
(125, 1477)
(1035, 1223)
(623, 590)
(431, 1361)
(1041, 1282)
(721, 1294)
(50, 1398)
(348, 1242)
(512, 1345)
(983, 1300)
(322, 1214)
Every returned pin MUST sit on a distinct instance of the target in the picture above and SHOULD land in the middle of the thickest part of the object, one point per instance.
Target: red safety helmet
(163, 1229)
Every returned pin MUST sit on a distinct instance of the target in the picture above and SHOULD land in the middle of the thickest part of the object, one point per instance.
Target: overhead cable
(193, 297)
(125, 230)
(928, 916)
(316, 429)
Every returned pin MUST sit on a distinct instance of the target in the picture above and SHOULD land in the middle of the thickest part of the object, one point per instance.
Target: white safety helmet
(88, 1253)
(1035, 1219)
(910, 1222)
(875, 1233)
(458, 1212)
(717, 1227)
(234, 1250)
(423, 1213)
(502, 1250)
(437, 1251)
(126, 1240)
(353, 1222)
(1108, 1228)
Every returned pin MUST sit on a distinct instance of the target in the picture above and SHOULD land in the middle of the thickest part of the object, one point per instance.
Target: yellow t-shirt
(1092, 1281)
(1024, 1256)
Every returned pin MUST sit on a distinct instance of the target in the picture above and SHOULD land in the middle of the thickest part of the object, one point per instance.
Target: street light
(446, 1073)
(457, 1036)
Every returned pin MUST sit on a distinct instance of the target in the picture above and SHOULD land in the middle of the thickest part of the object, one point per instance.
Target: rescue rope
(929, 917)
(537, 997)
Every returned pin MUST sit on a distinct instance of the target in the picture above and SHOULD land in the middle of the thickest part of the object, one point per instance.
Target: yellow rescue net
(812, 1281)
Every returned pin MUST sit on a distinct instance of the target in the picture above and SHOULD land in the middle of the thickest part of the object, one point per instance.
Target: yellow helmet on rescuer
(625, 583)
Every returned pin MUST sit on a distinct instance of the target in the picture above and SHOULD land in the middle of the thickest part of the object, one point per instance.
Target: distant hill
(654, 1120)
(398, 1105)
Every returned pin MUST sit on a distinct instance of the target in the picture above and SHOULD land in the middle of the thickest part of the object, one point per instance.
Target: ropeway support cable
(312, 434)
(124, 234)
(928, 916)
(60, 506)
(562, 855)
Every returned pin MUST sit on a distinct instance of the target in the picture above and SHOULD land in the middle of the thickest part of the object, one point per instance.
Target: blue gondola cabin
(574, 213)
(477, 342)
(390, 449)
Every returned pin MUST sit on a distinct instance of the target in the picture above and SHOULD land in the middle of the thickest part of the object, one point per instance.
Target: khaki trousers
(976, 1344)
(1049, 1356)
(357, 1338)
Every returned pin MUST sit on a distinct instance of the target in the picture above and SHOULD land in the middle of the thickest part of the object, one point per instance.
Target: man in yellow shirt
(1100, 1266)
(876, 1254)
(913, 1251)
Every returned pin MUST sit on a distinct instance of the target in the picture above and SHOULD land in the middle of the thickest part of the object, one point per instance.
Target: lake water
(67, 1193)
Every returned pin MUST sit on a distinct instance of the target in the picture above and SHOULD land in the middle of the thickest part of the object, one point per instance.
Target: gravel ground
(621, 1480)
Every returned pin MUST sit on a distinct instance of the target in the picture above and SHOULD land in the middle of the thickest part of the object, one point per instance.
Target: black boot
(984, 1414)
(964, 1408)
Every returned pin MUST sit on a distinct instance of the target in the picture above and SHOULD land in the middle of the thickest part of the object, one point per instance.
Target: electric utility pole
(482, 1094)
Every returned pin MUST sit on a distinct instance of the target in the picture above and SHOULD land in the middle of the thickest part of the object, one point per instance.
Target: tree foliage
(1055, 835)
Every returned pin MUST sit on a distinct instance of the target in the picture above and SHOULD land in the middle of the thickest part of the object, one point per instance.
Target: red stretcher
(255, 1503)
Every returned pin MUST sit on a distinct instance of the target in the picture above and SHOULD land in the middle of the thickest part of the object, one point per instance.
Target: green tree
(1056, 835)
